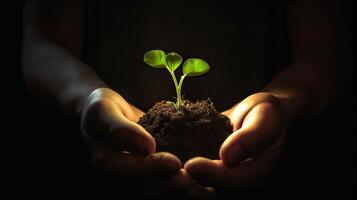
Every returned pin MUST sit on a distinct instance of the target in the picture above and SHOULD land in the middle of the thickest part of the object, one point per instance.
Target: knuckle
(97, 105)
(93, 118)
(268, 108)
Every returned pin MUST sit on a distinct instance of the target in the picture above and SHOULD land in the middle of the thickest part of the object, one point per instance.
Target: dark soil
(196, 129)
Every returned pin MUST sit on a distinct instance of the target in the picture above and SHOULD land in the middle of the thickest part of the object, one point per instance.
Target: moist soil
(196, 129)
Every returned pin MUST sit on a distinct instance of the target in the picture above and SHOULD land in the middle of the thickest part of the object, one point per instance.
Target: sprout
(171, 61)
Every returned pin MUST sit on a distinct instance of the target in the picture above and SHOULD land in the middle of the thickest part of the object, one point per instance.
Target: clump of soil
(196, 129)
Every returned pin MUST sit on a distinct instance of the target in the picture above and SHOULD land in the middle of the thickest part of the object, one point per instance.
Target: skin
(248, 154)
(121, 147)
(117, 144)
(320, 67)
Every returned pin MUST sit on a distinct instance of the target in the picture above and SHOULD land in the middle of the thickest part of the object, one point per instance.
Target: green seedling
(171, 61)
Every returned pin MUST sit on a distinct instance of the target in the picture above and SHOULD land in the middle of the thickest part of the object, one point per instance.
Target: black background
(43, 152)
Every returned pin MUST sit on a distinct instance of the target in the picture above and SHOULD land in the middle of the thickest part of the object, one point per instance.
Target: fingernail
(234, 155)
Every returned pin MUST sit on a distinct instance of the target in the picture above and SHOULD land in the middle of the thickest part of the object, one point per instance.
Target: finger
(239, 112)
(259, 130)
(217, 175)
(126, 165)
(175, 185)
(201, 169)
(248, 174)
(136, 115)
(105, 122)
(129, 111)
(131, 137)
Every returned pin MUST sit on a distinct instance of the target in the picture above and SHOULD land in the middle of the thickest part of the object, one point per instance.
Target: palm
(125, 149)
(248, 154)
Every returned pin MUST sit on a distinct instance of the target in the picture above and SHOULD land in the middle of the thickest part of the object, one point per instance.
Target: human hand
(121, 147)
(248, 154)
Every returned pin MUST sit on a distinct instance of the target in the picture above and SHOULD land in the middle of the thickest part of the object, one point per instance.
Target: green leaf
(173, 61)
(195, 67)
(155, 58)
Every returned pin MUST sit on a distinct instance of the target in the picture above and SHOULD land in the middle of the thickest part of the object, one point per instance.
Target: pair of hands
(122, 147)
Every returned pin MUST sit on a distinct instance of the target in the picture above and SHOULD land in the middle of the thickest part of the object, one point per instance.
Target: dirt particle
(196, 129)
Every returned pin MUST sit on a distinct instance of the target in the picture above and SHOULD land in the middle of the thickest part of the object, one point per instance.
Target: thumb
(260, 128)
(104, 121)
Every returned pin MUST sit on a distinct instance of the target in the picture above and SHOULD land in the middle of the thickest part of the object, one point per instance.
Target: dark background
(44, 153)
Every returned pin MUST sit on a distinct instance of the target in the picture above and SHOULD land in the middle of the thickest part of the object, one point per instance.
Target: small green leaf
(173, 61)
(155, 58)
(195, 67)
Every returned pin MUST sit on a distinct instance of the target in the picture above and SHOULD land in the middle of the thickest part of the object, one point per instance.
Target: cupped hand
(121, 147)
(248, 154)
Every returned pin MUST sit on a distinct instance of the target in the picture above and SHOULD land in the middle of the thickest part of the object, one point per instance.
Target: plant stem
(178, 101)
(179, 88)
